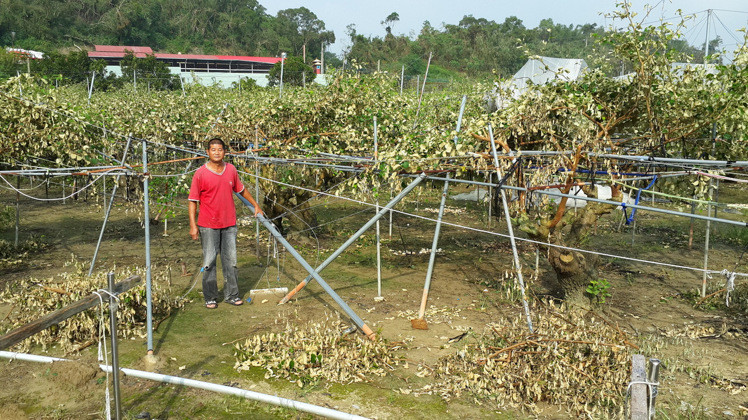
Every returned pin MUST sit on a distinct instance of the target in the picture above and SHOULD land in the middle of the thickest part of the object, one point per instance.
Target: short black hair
(216, 140)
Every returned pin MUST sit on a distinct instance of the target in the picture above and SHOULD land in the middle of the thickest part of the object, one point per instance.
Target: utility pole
(706, 41)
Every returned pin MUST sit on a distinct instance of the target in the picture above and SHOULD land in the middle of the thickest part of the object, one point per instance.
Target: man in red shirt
(213, 188)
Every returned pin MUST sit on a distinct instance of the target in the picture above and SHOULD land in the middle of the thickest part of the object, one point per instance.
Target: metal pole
(434, 244)
(147, 218)
(706, 41)
(634, 206)
(221, 389)
(690, 229)
(390, 233)
(257, 193)
(709, 204)
(490, 199)
(706, 251)
(115, 355)
(402, 79)
(376, 209)
(271, 227)
(355, 236)
(596, 200)
(18, 207)
(654, 380)
(280, 88)
(109, 207)
(423, 88)
(511, 231)
(90, 88)
(459, 118)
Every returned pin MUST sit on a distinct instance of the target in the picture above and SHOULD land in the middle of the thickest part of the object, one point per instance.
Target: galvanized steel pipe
(223, 389)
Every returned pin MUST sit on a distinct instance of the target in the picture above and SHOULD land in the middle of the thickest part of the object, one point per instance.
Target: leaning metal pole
(376, 210)
(432, 257)
(355, 236)
(347, 309)
(511, 231)
(146, 218)
(109, 207)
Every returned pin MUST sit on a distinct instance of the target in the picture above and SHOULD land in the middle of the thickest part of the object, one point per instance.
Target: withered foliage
(314, 352)
(31, 298)
(576, 361)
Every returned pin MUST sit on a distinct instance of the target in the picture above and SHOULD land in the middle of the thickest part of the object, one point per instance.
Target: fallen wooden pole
(19, 334)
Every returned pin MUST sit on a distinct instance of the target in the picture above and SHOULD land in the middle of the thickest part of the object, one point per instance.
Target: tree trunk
(574, 271)
(301, 218)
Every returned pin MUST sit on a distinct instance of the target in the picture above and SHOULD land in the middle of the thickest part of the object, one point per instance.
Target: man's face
(216, 153)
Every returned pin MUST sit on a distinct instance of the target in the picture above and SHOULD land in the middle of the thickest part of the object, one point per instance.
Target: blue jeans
(214, 242)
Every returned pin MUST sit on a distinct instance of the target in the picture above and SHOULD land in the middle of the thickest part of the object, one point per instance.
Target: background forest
(474, 46)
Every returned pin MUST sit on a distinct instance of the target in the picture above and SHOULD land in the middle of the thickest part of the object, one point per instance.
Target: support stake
(420, 323)
(115, 353)
(109, 208)
(147, 219)
(511, 231)
(274, 231)
(355, 236)
(376, 211)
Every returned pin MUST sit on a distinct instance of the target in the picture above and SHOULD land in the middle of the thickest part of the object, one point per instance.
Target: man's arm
(194, 231)
(245, 193)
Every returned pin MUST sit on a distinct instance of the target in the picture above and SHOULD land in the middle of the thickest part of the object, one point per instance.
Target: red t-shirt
(214, 192)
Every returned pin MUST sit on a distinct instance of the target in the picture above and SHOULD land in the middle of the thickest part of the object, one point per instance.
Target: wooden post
(639, 407)
(54, 318)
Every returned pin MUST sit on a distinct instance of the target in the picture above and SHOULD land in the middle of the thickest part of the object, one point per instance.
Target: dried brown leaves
(316, 351)
(572, 360)
(34, 298)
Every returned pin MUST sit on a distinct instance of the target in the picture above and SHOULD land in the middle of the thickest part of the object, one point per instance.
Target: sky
(368, 15)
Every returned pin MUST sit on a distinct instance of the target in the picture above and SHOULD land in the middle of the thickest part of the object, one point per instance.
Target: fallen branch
(547, 340)
(709, 296)
(9, 312)
(53, 289)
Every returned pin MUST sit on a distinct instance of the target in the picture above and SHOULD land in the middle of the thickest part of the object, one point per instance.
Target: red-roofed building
(206, 69)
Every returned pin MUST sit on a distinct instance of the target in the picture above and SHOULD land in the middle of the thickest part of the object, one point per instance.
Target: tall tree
(389, 22)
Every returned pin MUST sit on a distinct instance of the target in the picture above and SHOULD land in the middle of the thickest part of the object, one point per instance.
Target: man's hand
(192, 210)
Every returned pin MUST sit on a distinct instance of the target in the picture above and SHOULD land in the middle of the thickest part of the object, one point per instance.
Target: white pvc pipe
(223, 389)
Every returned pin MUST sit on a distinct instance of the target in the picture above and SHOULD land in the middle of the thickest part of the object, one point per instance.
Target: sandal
(211, 304)
(235, 301)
